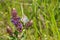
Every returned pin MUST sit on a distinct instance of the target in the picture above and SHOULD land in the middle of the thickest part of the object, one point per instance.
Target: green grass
(44, 13)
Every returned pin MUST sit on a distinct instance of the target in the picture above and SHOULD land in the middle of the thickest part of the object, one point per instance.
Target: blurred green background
(44, 13)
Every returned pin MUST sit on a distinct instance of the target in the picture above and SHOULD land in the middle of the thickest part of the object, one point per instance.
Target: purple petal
(14, 21)
(20, 25)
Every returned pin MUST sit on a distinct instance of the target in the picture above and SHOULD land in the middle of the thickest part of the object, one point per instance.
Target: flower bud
(9, 31)
(14, 12)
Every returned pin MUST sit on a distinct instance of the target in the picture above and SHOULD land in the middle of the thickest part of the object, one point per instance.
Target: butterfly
(26, 21)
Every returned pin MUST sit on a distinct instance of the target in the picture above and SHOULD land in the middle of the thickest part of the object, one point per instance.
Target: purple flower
(16, 20)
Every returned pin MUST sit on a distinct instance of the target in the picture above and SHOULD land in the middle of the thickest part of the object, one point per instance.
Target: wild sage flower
(16, 20)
